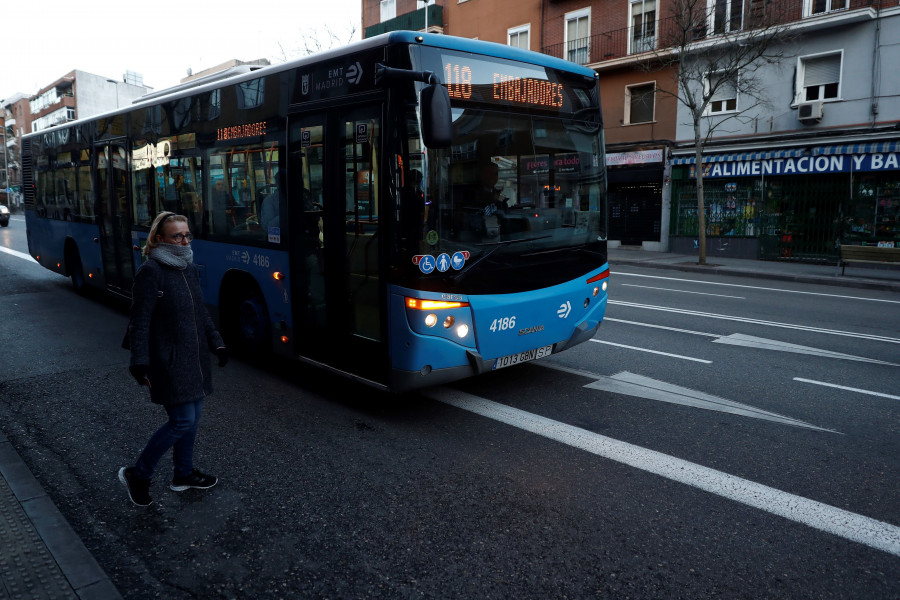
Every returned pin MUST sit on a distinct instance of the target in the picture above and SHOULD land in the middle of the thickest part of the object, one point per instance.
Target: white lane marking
(647, 287)
(754, 287)
(823, 517)
(17, 253)
(849, 389)
(639, 386)
(749, 341)
(699, 360)
(696, 313)
(654, 326)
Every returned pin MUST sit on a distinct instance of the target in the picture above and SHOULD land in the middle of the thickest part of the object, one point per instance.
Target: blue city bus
(408, 210)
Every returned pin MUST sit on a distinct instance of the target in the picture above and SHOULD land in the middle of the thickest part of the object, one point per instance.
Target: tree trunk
(701, 207)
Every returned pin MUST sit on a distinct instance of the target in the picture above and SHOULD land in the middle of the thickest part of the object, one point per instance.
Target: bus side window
(244, 192)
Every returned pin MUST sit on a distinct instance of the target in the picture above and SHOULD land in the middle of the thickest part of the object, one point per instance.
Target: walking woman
(171, 337)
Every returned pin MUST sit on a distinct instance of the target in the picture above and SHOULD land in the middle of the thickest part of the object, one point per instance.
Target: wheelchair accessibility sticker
(428, 263)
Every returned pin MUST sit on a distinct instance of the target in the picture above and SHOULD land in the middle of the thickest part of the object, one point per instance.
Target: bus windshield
(517, 203)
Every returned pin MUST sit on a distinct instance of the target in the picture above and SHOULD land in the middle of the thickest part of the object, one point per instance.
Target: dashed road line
(846, 388)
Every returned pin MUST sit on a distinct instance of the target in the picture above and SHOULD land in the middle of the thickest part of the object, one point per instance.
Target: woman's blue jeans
(179, 434)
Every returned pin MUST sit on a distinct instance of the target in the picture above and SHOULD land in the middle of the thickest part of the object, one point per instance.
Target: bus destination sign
(475, 80)
(241, 131)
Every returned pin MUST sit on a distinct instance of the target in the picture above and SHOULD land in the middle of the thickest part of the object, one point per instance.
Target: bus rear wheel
(246, 326)
(253, 323)
(73, 266)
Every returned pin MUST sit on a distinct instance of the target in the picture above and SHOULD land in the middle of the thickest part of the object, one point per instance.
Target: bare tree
(719, 59)
(316, 40)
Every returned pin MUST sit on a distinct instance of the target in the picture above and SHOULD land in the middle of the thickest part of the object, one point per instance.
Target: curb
(41, 530)
(842, 281)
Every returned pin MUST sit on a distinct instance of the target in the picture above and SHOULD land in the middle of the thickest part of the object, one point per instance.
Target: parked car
(4, 216)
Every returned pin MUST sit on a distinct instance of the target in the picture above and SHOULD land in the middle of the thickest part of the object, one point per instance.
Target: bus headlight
(462, 331)
(430, 320)
(449, 321)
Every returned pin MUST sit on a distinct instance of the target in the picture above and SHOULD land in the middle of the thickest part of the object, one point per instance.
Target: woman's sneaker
(138, 489)
(196, 480)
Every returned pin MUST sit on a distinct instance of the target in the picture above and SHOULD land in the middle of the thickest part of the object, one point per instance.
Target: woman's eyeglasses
(180, 237)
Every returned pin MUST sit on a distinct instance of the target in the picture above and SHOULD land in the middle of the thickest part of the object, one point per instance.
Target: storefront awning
(870, 148)
(875, 148)
(740, 156)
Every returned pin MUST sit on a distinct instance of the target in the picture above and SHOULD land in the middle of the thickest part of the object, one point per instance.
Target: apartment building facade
(790, 178)
(77, 94)
(819, 165)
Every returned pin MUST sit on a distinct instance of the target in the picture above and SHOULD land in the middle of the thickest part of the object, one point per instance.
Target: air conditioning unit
(810, 112)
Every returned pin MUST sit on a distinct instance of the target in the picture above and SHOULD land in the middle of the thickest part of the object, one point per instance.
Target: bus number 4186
(503, 324)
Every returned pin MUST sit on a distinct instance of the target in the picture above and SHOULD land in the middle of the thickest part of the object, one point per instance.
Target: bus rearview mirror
(436, 121)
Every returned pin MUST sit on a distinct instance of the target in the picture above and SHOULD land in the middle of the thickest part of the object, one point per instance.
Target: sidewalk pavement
(42, 557)
(874, 277)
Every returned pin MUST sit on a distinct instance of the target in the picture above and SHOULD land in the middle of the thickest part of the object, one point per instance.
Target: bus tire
(73, 267)
(253, 324)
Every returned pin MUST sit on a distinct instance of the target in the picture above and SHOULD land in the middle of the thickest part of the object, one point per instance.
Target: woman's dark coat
(172, 333)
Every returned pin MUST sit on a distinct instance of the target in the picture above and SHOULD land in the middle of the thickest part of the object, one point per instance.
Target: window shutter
(725, 91)
(823, 70)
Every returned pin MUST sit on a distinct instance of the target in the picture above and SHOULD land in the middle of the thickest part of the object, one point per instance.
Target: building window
(821, 77)
(724, 94)
(725, 16)
(820, 7)
(518, 37)
(643, 25)
(578, 27)
(388, 10)
(640, 101)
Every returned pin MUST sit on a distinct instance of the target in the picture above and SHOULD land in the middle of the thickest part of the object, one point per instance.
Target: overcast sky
(161, 39)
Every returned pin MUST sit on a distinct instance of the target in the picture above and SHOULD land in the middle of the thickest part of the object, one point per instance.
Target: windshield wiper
(494, 247)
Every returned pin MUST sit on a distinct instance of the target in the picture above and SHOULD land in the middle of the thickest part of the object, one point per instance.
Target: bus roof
(434, 40)
(488, 48)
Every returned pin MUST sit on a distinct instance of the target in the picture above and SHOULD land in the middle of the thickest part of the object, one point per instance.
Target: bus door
(113, 216)
(337, 288)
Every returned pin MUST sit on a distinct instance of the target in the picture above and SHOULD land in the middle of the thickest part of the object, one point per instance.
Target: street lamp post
(426, 13)
(6, 164)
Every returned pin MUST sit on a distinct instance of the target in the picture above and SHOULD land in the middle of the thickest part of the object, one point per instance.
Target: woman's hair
(161, 219)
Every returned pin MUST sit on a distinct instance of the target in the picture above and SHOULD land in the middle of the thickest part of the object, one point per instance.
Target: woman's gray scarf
(173, 255)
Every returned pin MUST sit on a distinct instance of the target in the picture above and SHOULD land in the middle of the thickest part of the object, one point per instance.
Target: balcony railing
(413, 21)
(614, 44)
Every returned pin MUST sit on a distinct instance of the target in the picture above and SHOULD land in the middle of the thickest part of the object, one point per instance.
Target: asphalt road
(699, 447)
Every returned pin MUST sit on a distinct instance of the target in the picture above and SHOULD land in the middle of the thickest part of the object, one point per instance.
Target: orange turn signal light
(420, 304)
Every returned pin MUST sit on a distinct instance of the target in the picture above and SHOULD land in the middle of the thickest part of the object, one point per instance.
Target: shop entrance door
(635, 212)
